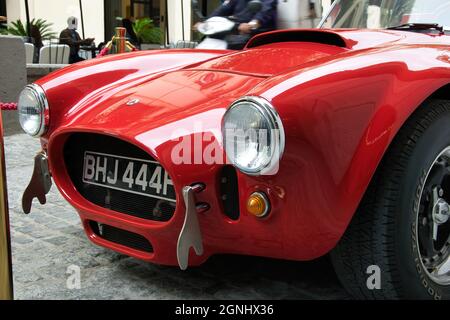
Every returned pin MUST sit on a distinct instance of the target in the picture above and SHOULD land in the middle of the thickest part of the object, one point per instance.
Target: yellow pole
(120, 39)
(6, 285)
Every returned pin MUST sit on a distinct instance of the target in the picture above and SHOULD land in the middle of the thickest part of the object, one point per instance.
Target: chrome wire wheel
(433, 220)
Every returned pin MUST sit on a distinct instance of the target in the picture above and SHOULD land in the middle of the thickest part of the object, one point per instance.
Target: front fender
(340, 117)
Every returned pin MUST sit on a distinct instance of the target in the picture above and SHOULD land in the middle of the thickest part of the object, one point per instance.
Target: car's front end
(123, 158)
(125, 170)
(201, 125)
(173, 156)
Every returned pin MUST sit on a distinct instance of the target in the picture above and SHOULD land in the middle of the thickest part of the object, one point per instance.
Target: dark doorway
(3, 8)
(113, 10)
(116, 10)
(146, 8)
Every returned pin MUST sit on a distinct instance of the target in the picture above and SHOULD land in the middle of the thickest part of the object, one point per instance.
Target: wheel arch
(442, 93)
(382, 222)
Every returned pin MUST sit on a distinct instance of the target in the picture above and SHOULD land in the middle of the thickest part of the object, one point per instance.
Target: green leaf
(17, 28)
(146, 32)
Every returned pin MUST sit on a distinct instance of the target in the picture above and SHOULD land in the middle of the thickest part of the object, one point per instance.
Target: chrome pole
(6, 283)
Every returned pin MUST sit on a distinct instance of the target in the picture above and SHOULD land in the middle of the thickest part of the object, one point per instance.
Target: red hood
(173, 84)
(170, 98)
(271, 59)
(92, 82)
(280, 51)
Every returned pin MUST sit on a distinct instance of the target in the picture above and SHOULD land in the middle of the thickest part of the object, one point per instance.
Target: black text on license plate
(138, 176)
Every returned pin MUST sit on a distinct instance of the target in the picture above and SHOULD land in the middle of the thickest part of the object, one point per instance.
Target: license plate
(138, 176)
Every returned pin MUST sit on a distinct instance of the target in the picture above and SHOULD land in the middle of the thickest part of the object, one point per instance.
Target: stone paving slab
(50, 239)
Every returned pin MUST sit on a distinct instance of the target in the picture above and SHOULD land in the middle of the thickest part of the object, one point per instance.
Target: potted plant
(18, 28)
(149, 36)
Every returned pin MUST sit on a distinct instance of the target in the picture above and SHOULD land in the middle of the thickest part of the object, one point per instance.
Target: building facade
(174, 17)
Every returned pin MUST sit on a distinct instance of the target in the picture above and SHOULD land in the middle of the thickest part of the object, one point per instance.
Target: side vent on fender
(229, 192)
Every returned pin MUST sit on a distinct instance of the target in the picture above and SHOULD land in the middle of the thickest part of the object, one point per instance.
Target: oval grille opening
(119, 176)
(120, 236)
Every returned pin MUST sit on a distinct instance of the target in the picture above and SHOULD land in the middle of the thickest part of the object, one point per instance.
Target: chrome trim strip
(324, 17)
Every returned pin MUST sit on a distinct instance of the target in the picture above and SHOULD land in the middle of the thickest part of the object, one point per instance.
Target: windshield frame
(333, 5)
(325, 16)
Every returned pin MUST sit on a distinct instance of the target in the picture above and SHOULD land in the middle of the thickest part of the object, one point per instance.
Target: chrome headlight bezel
(277, 135)
(42, 104)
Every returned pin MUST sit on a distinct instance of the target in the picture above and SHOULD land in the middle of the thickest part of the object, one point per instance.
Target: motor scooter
(216, 29)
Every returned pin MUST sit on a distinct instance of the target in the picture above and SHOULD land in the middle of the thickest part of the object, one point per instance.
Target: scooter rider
(249, 23)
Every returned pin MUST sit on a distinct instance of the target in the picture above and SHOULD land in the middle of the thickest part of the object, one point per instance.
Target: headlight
(33, 110)
(253, 136)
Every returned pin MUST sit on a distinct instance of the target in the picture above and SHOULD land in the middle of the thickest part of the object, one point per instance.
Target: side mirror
(254, 6)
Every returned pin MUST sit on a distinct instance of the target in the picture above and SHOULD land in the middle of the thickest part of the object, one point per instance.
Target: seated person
(36, 39)
(249, 23)
(71, 37)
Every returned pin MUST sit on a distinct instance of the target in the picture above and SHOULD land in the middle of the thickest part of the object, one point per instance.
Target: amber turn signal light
(258, 204)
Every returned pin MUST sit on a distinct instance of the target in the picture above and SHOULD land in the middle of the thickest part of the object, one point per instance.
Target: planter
(150, 46)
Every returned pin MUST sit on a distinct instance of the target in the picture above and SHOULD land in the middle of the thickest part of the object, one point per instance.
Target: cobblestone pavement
(50, 239)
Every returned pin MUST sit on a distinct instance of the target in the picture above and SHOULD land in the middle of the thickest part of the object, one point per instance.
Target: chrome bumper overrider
(190, 235)
(40, 183)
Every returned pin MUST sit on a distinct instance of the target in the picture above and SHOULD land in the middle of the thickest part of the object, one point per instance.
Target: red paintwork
(8, 106)
(340, 106)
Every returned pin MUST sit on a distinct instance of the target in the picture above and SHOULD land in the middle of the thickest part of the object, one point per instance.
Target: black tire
(384, 229)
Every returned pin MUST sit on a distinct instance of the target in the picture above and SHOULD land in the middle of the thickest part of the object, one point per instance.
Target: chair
(54, 54)
(85, 54)
(29, 52)
(182, 44)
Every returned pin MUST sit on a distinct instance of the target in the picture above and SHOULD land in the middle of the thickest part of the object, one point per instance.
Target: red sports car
(307, 142)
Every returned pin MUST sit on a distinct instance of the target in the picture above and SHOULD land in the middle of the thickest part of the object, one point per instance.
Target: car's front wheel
(397, 245)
